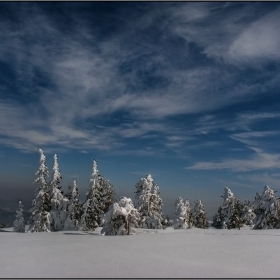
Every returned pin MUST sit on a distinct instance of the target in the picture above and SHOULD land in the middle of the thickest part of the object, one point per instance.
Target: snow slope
(148, 254)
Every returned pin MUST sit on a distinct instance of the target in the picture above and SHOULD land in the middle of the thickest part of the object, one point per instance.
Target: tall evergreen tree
(149, 203)
(19, 223)
(40, 216)
(182, 216)
(99, 197)
(57, 201)
(199, 215)
(120, 218)
(73, 209)
(267, 210)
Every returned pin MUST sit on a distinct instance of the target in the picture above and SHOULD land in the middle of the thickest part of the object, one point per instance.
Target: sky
(185, 91)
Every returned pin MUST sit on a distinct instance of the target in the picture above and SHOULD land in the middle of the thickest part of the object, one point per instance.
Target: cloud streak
(71, 83)
(260, 160)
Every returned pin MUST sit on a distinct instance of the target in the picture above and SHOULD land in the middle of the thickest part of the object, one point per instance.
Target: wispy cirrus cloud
(260, 160)
(70, 81)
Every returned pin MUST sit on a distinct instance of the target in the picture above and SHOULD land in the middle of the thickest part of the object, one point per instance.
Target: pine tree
(149, 203)
(120, 218)
(19, 223)
(73, 209)
(182, 217)
(57, 201)
(90, 218)
(247, 214)
(99, 197)
(235, 220)
(267, 209)
(199, 215)
(229, 214)
(107, 196)
(218, 219)
(40, 216)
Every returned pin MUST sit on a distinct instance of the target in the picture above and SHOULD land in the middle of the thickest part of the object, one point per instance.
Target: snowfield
(169, 253)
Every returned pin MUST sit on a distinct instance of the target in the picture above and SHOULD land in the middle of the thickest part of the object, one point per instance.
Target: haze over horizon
(185, 91)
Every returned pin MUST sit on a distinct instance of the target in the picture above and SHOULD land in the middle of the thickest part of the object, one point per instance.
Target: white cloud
(84, 81)
(262, 180)
(260, 40)
(260, 160)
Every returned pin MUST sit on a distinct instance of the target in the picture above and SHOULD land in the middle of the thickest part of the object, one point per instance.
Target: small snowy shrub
(120, 218)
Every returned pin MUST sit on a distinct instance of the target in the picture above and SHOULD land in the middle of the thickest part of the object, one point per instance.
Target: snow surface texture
(169, 253)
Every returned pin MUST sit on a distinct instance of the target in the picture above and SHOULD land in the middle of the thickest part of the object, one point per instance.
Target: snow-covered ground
(148, 254)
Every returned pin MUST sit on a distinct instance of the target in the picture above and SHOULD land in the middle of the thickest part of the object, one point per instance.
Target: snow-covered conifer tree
(57, 202)
(99, 197)
(199, 215)
(229, 213)
(73, 209)
(19, 223)
(120, 218)
(247, 214)
(182, 216)
(235, 220)
(218, 219)
(149, 203)
(40, 216)
(267, 210)
(107, 195)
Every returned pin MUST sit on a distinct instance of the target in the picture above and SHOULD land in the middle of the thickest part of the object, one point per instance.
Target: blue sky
(185, 91)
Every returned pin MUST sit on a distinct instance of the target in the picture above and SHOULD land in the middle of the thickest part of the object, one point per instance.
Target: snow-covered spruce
(229, 214)
(40, 216)
(99, 197)
(120, 218)
(199, 215)
(73, 209)
(149, 203)
(235, 220)
(218, 219)
(182, 217)
(267, 209)
(247, 214)
(19, 223)
(58, 213)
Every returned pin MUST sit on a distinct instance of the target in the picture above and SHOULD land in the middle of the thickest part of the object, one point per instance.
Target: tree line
(53, 211)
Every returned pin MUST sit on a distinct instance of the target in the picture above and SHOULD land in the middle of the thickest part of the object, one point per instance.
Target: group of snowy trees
(53, 211)
(185, 217)
(263, 213)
